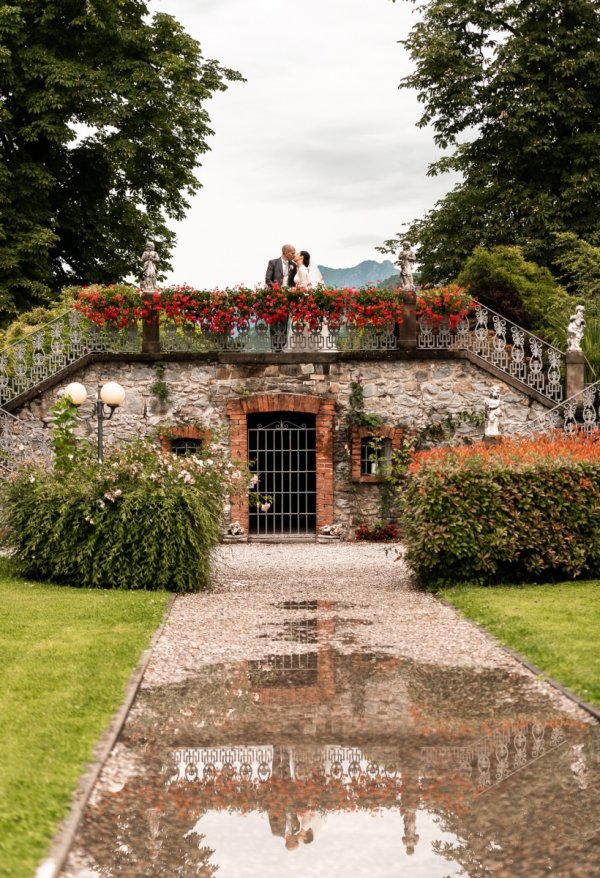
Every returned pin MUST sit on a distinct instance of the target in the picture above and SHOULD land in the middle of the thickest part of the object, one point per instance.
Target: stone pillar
(575, 378)
(150, 330)
(407, 330)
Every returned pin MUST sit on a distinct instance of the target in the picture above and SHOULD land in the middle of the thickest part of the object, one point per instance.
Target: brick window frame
(394, 434)
(324, 411)
(184, 432)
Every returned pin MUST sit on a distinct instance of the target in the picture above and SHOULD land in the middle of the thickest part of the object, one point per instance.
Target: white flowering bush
(143, 519)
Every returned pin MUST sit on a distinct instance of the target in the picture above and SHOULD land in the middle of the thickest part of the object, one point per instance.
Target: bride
(306, 275)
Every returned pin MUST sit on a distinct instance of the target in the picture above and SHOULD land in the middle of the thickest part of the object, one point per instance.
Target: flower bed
(380, 532)
(234, 310)
(451, 303)
(522, 510)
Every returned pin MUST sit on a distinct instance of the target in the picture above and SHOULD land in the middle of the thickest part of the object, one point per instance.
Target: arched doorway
(282, 455)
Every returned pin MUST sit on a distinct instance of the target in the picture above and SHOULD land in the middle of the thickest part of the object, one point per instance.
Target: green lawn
(557, 627)
(65, 657)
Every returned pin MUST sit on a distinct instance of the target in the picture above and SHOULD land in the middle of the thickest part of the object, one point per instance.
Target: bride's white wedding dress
(306, 277)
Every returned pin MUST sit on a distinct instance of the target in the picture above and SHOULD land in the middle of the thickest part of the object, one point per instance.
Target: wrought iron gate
(282, 454)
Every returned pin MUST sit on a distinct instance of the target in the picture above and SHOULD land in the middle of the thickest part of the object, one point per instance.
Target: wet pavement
(317, 716)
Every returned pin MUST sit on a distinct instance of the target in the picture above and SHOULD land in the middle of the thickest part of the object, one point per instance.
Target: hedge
(519, 511)
(142, 520)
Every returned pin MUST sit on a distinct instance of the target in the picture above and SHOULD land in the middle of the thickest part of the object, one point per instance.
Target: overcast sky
(318, 148)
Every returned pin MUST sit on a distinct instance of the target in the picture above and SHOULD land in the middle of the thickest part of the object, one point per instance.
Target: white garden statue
(493, 412)
(576, 329)
(405, 260)
(149, 259)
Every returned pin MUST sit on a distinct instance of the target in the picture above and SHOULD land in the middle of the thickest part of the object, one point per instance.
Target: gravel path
(364, 589)
(414, 678)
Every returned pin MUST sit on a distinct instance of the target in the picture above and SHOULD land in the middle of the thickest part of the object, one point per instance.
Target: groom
(281, 271)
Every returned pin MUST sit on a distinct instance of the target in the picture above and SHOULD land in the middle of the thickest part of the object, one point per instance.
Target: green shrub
(578, 262)
(523, 510)
(142, 520)
(34, 319)
(522, 291)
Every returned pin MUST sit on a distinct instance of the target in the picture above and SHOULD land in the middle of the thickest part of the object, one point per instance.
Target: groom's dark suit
(278, 329)
(275, 272)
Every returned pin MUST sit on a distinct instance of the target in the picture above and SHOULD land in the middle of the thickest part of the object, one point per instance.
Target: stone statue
(405, 260)
(150, 259)
(493, 412)
(576, 329)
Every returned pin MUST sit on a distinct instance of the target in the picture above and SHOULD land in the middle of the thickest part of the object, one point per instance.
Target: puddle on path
(313, 762)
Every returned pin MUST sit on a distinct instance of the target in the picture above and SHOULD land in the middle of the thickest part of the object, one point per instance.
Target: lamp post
(110, 394)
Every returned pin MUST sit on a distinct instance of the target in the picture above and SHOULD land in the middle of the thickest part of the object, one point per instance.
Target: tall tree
(512, 89)
(102, 122)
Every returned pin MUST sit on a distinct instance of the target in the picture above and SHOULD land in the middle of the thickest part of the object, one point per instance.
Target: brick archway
(323, 409)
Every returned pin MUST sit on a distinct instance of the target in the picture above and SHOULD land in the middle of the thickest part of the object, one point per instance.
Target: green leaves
(513, 91)
(504, 521)
(79, 210)
(143, 520)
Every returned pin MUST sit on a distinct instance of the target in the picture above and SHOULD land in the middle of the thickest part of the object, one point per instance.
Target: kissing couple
(292, 269)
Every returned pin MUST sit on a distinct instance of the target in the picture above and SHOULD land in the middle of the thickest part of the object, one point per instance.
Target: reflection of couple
(286, 822)
(292, 269)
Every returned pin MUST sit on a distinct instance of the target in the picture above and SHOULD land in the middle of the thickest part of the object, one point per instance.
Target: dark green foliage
(472, 519)
(578, 263)
(357, 416)
(504, 280)
(143, 520)
(513, 91)
(78, 210)
(64, 443)
(159, 386)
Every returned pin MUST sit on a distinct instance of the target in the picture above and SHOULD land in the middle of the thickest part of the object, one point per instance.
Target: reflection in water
(466, 772)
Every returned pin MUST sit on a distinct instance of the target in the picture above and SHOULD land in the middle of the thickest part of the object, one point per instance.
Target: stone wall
(405, 393)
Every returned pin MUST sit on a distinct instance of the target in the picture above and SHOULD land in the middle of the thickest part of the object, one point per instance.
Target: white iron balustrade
(579, 415)
(501, 343)
(47, 351)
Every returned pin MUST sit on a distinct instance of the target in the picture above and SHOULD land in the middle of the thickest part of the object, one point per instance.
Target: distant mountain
(388, 282)
(361, 275)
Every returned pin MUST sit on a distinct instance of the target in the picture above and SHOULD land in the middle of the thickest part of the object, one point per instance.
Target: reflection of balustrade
(331, 763)
(501, 343)
(499, 755)
(577, 416)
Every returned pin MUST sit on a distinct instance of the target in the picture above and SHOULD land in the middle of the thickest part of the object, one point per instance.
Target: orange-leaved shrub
(520, 510)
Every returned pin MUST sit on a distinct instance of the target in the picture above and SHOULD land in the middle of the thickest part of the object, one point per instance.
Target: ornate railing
(577, 416)
(54, 347)
(262, 338)
(16, 445)
(502, 343)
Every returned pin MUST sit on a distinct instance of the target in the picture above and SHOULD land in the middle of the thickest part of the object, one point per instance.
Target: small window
(375, 456)
(184, 446)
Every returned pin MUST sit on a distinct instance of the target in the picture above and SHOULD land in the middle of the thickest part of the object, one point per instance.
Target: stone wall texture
(406, 394)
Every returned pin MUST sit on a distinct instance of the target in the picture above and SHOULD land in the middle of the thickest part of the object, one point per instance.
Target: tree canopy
(512, 90)
(102, 122)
